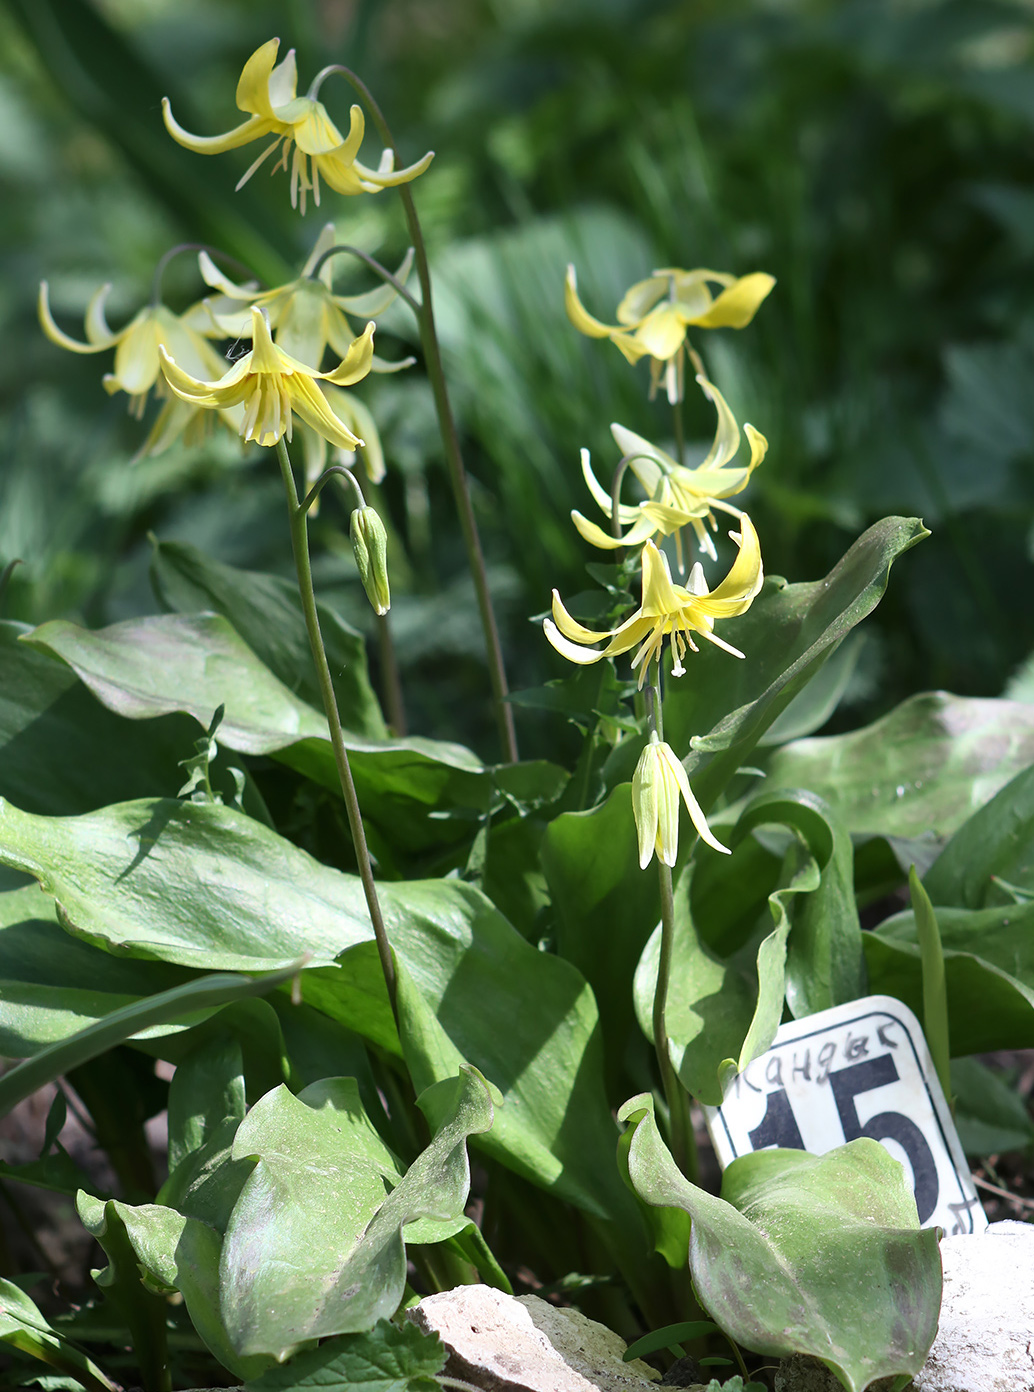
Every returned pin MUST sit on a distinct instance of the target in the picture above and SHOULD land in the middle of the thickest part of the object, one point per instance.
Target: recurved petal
(214, 277)
(373, 302)
(252, 129)
(579, 315)
(357, 361)
(189, 388)
(727, 433)
(62, 339)
(744, 579)
(646, 461)
(312, 406)
(696, 815)
(583, 656)
(380, 178)
(256, 87)
(323, 243)
(571, 628)
(595, 535)
(736, 306)
(758, 446)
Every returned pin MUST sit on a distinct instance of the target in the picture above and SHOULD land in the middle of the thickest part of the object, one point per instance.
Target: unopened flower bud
(657, 785)
(370, 548)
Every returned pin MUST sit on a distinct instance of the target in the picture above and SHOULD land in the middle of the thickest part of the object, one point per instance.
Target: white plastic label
(861, 1069)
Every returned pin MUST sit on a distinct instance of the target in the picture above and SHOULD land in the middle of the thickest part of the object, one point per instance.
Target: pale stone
(505, 1343)
(985, 1339)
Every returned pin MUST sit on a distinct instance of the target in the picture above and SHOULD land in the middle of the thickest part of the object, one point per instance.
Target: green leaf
(922, 769)
(207, 1089)
(723, 707)
(203, 994)
(605, 909)
(60, 751)
(152, 1251)
(935, 999)
(51, 984)
(386, 1358)
(195, 663)
(23, 1327)
(666, 1337)
(267, 614)
(203, 884)
(710, 1001)
(805, 1254)
(317, 1154)
(991, 1116)
(995, 845)
(188, 883)
(811, 708)
(988, 972)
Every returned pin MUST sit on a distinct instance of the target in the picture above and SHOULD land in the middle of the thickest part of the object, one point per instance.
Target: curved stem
(374, 265)
(450, 438)
(683, 1144)
(324, 478)
(300, 546)
(615, 494)
(159, 270)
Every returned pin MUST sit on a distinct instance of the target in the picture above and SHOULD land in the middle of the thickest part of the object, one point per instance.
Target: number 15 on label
(861, 1069)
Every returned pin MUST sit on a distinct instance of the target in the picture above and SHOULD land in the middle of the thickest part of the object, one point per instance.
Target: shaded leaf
(991, 856)
(22, 1326)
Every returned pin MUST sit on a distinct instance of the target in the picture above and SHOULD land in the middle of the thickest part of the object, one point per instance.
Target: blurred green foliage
(874, 155)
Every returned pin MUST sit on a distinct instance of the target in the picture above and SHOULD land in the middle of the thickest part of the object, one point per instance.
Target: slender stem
(683, 1144)
(738, 1355)
(374, 265)
(391, 683)
(450, 438)
(615, 494)
(324, 478)
(680, 434)
(300, 546)
(159, 270)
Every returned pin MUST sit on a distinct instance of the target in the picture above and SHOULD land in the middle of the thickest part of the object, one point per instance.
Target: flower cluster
(654, 318)
(279, 381)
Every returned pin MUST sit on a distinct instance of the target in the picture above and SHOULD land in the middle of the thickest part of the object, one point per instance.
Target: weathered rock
(505, 1343)
(985, 1339)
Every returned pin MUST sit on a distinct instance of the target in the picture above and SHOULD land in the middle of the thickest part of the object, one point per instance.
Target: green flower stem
(680, 434)
(374, 265)
(159, 270)
(324, 478)
(391, 683)
(683, 1143)
(300, 546)
(615, 494)
(450, 438)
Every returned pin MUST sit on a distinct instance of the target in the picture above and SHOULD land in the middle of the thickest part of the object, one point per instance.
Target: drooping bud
(658, 783)
(370, 548)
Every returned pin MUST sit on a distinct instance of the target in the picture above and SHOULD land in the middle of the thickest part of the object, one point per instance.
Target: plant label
(861, 1069)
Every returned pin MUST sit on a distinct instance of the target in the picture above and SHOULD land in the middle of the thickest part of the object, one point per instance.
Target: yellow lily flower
(676, 496)
(657, 784)
(267, 92)
(137, 366)
(667, 611)
(305, 314)
(656, 313)
(272, 386)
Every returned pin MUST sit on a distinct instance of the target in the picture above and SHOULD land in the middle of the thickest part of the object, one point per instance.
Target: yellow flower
(305, 315)
(272, 386)
(667, 610)
(676, 496)
(267, 93)
(657, 784)
(137, 366)
(655, 314)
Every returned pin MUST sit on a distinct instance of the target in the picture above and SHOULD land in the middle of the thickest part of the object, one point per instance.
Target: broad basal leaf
(805, 1254)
